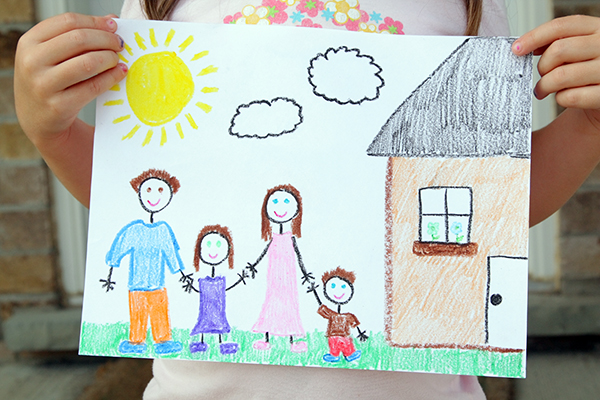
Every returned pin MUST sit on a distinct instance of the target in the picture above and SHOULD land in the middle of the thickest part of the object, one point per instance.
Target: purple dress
(212, 318)
(280, 313)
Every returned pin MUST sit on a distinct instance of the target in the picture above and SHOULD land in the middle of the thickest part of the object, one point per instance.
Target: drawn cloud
(264, 118)
(345, 76)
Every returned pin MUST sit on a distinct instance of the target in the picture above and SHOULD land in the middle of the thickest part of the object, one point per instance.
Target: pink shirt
(179, 380)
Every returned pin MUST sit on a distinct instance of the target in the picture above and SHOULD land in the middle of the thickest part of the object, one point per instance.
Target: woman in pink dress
(280, 313)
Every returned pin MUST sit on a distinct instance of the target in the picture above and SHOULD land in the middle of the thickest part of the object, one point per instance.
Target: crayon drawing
(354, 203)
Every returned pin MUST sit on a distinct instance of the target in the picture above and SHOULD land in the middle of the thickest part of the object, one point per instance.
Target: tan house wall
(431, 298)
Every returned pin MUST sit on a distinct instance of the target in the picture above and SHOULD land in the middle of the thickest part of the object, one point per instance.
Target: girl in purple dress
(213, 247)
(280, 313)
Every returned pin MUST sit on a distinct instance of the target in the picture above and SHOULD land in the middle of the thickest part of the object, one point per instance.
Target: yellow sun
(160, 87)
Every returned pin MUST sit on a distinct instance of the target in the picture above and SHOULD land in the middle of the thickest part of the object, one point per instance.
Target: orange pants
(153, 304)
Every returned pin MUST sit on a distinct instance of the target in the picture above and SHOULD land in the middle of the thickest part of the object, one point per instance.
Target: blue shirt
(151, 248)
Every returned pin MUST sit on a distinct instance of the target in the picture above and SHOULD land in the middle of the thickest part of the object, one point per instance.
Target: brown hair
(158, 174)
(162, 10)
(221, 230)
(340, 273)
(266, 233)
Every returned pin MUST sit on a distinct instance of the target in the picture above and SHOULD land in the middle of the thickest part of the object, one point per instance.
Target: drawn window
(445, 214)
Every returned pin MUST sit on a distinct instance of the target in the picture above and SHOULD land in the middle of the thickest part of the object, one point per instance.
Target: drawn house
(457, 197)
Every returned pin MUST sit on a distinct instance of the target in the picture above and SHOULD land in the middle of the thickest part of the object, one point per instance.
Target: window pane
(433, 200)
(433, 229)
(458, 231)
(459, 201)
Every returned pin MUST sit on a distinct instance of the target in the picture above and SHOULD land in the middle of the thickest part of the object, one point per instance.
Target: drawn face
(155, 194)
(338, 290)
(214, 249)
(282, 207)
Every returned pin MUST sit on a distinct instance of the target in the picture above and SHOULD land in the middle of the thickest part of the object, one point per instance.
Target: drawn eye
(333, 285)
(149, 190)
(287, 201)
(208, 244)
(219, 243)
(275, 201)
(343, 286)
(160, 190)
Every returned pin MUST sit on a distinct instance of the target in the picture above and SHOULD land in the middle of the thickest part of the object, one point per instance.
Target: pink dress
(280, 313)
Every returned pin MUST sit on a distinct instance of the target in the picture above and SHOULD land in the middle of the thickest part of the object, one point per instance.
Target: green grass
(103, 340)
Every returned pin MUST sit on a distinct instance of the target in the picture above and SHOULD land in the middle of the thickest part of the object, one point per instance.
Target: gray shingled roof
(477, 103)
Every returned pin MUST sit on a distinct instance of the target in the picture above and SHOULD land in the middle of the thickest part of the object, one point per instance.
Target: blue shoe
(354, 356)
(198, 347)
(126, 347)
(168, 347)
(330, 359)
(228, 348)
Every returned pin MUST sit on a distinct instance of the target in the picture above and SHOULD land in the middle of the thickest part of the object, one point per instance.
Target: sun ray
(169, 37)
(163, 136)
(115, 88)
(123, 58)
(186, 43)
(121, 119)
(128, 49)
(204, 107)
(114, 102)
(153, 38)
(200, 55)
(148, 137)
(179, 130)
(191, 121)
(132, 132)
(209, 90)
(140, 41)
(211, 69)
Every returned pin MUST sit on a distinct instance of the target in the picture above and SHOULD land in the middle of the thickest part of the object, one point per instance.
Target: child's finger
(545, 34)
(62, 23)
(80, 68)
(86, 91)
(586, 97)
(569, 50)
(77, 42)
(568, 76)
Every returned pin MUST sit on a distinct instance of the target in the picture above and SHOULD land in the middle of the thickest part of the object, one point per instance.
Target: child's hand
(62, 64)
(569, 62)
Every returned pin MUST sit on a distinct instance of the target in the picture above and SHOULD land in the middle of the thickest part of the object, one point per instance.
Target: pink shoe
(299, 347)
(261, 345)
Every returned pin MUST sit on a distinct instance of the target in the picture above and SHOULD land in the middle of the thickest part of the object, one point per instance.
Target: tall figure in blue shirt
(152, 248)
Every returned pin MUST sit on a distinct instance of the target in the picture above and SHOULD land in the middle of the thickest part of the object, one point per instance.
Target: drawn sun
(160, 88)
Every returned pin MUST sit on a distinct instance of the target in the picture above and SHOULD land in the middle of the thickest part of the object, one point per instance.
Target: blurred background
(43, 237)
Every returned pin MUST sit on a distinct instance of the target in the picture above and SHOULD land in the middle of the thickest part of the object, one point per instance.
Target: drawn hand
(186, 278)
(243, 276)
(308, 277)
(312, 288)
(362, 335)
(188, 286)
(108, 284)
(252, 268)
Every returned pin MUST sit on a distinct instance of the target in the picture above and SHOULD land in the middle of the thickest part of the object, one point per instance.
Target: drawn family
(153, 249)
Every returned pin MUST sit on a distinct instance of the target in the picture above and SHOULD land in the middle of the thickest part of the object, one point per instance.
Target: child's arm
(567, 150)
(62, 64)
(241, 279)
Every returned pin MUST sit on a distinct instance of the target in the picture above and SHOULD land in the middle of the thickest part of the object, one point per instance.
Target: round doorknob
(496, 299)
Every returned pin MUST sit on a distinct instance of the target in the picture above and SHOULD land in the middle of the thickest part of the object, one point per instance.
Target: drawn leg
(298, 347)
(334, 350)
(197, 347)
(262, 344)
(348, 349)
(138, 324)
(160, 323)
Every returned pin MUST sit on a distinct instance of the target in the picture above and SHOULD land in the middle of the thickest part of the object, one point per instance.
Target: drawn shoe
(330, 359)
(198, 347)
(299, 347)
(126, 347)
(168, 347)
(261, 345)
(228, 348)
(354, 356)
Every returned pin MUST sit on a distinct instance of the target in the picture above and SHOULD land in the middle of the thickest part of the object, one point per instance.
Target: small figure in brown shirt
(338, 287)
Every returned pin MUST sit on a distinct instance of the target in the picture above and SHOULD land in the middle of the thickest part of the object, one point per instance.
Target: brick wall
(27, 255)
(580, 217)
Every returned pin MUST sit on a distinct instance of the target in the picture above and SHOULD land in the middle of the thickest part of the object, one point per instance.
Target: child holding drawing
(66, 61)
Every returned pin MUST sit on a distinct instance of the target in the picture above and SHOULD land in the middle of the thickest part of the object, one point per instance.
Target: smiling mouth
(280, 216)
(213, 257)
(337, 298)
(155, 204)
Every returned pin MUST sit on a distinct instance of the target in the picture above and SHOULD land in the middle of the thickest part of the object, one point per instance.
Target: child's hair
(340, 273)
(296, 222)
(162, 10)
(158, 174)
(221, 230)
